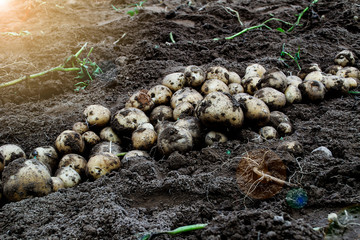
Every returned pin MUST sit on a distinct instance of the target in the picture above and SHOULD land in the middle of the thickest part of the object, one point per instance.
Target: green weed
(179, 230)
(295, 58)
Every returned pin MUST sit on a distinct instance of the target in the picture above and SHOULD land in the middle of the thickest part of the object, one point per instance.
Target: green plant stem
(301, 14)
(186, 229)
(121, 154)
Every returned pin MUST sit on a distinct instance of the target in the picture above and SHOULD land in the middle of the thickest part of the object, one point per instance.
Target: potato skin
(312, 90)
(75, 161)
(127, 120)
(160, 94)
(10, 152)
(70, 141)
(219, 73)
(97, 115)
(194, 76)
(46, 155)
(101, 164)
(141, 100)
(69, 176)
(174, 81)
(185, 95)
(272, 97)
(173, 138)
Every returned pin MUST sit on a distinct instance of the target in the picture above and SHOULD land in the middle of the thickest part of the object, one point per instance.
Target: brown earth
(152, 194)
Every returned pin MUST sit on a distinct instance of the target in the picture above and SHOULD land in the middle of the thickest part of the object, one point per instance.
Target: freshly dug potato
(10, 152)
(254, 70)
(235, 88)
(194, 76)
(268, 132)
(133, 154)
(255, 110)
(108, 134)
(183, 110)
(97, 115)
(69, 176)
(234, 78)
(90, 138)
(293, 80)
(57, 184)
(316, 75)
(105, 147)
(47, 155)
(173, 138)
(161, 113)
(272, 97)
(345, 58)
(277, 117)
(185, 95)
(127, 120)
(160, 94)
(284, 128)
(219, 73)
(144, 138)
(220, 109)
(293, 147)
(336, 84)
(349, 72)
(293, 94)
(141, 100)
(214, 85)
(70, 142)
(250, 84)
(333, 69)
(275, 79)
(307, 69)
(174, 81)
(75, 161)
(193, 125)
(26, 178)
(250, 136)
(312, 90)
(102, 164)
(352, 82)
(215, 137)
(162, 125)
(80, 127)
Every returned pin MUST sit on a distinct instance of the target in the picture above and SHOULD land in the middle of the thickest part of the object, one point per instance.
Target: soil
(200, 186)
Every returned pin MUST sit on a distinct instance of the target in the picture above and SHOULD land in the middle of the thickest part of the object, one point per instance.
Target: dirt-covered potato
(174, 81)
(352, 82)
(162, 125)
(336, 84)
(349, 72)
(194, 76)
(69, 176)
(75, 161)
(312, 90)
(46, 155)
(141, 100)
(102, 164)
(293, 80)
(127, 120)
(144, 138)
(308, 68)
(284, 128)
(333, 69)
(214, 85)
(173, 138)
(26, 178)
(106, 147)
(235, 88)
(250, 84)
(183, 110)
(234, 78)
(70, 141)
(293, 94)
(80, 127)
(57, 184)
(193, 125)
(90, 138)
(275, 79)
(108, 134)
(293, 147)
(255, 110)
(97, 115)
(268, 132)
(254, 70)
(345, 58)
(185, 95)
(133, 154)
(215, 137)
(161, 113)
(316, 75)
(10, 152)
(160, 94)
(219, 109)
(247, 135)
(272, 97)
(277, 117)
(219, 73)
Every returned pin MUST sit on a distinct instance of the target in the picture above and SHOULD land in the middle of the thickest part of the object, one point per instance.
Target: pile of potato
(188, 109)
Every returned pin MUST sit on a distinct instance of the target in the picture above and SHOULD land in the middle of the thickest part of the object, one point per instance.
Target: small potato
(312, 90)
(141, 100)
(194, 76)
(293, 80)
(219, 73)
(235, 88)
(161, 113)
(214, 85)
(250, 136)
(173, 138)
(108, 134)
(272, 97)
(102, 164)
(293, 147)
(10, 152)
(284, 128)
(254, 70)
(174, 81)
(234, 78)
(345, 58)
(183, 110)
(97, 115)
(80, 127)
(351, 82)
(47, 155)
(293, 94)
(185, 95)
(193, 125)
(349, 72)
(69, 176)
(75, 161)
(336, 84)
(275, 79)
(307, 69)
(90, 138)
(105, 147)
(160, 94)
(127, 120)
(316, 75)
(133, 156)
(333, 69)
(268, 132)
(277, 117)
(250, 84)
(144, 138)
(215, 137)
(57, 184)
(70, 142)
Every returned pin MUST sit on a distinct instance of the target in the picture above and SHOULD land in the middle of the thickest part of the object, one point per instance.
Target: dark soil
(152, 194)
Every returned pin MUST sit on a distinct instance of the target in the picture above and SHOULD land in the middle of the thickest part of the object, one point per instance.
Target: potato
(268, 132)
(132, 155)
(312, 90)
(277, 117)
(345, 58)
(10, 152)
(102, 164)
(215, 137)
(173, 138)
(105, 147)
(162, 125)
(307, 69)
(47, 155)
(234, 78)
(351, 82)
(161, 113)
(235, 88)
(284, 128)
(141, 100)
(255, 110)
(69, 142)
(193, 125)
(108, 134)
(349, 72)
(194, 76)
(274, 79)
(97, 115)
(26, 178)
(333, 69)
(69, 176)
(219, 109)
(57, 184)
(160, 94)
(214, 85)
(185, 95)
(293, 94)
(75, 161)
(272, 97)
(144, 138)
(336, 84)
(254, 70)
(219, 73)
(174, 81)
(80, 127)
(316, 75)
(90, 138)
(127, 120)
(293, 80)
(183, 110)
(293, 147)
(250, 136)
(250, 84)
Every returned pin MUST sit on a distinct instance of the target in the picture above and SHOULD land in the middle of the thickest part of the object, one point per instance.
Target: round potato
(254, 70)
(192, 125)
(141, 100)
(47, 155)
(97, 115)
(293, 80)
(333, 69)
(214, 85)
(75, 161)
(284, 128)
(215, 137)
(293, 94)
(132, 156)
(345, 58)
(173, 138)
(174, 81)
(235, 88)
(90, 138)
(312, 90)
(275, 79)
(277, 117)
(219, 73)
(293, 147)
(349, 72)
(316, 75)
(127, 120)
(336, 84)
(69, 176)
(144, 138)
(108, 134)
(268, 132)
(57, 184)
(194, 76)
(106, 147)
(234, 78)
(80, 127)
(307, 69)
(102, 164)
(161, 113)
(183, 110)
(160, 94)
(70, 142)
(10, 152)
(272, 97)
(185, 95)
(250, 84)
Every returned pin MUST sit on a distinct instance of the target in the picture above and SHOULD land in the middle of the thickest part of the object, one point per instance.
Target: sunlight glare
(4, 5)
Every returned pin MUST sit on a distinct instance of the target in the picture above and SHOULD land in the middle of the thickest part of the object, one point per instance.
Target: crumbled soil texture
(155, 194)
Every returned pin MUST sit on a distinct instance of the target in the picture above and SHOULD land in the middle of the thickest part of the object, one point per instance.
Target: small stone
(279, 219)
(323, 150)
(271, 234)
